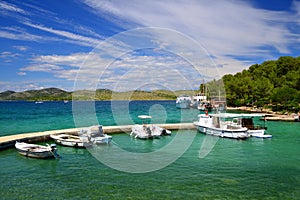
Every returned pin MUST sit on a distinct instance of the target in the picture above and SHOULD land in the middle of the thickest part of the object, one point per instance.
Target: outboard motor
(53, 147)
(100, 130)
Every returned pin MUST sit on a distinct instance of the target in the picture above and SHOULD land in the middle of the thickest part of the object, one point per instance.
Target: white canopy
(144, 117)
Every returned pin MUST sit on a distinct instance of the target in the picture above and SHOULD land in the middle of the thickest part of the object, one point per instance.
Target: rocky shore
(269, 114)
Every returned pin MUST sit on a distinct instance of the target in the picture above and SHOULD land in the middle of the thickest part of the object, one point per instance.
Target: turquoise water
(250, 169)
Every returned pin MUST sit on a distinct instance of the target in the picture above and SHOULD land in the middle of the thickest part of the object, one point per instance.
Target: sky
(139, 45)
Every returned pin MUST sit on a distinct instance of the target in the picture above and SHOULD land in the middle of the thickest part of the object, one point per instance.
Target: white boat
(95, 135)
(197, 99)
(37, 151)
(71, 140)
(183, 102)
(229, 125)
(141, 132)
(147, 131)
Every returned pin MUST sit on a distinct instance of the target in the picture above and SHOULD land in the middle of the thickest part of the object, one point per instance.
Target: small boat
(37, 151)
(263, 136)
(229, 125)
(183, 102)
(95, 135)
(71, 140)
(148, 131)
(38, 102)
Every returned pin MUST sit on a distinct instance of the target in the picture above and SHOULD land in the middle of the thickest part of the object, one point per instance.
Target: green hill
(53, 94)
(274, 83)
(33, 95)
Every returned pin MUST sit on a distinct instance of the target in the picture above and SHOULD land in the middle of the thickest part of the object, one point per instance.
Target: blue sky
(127, 45)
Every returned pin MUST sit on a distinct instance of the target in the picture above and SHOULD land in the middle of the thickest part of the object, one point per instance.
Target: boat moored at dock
(37, 151)
(229, 125)
(71, 140)
(147, 131)
(95, 135)
(183, 102)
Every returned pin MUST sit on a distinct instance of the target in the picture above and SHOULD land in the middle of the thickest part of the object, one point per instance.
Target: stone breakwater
(10, 140)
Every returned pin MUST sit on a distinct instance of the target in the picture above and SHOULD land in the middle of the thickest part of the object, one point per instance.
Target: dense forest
(274, 84)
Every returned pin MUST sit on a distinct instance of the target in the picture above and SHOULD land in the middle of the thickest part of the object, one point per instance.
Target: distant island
(56, 94)
(274, 85)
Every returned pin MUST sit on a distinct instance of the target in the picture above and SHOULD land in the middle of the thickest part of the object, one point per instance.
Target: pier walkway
(9, 140)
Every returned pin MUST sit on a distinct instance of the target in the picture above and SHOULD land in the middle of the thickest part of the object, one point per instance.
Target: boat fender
(206, 112)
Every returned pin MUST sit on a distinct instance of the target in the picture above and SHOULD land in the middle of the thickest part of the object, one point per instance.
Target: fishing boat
(95, 135)
(37, 151)
(147, 131)
(229, 125)
(183, 102)
(71, 140)
(197, 99)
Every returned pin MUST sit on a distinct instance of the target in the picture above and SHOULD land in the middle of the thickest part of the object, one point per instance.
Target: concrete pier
(10, 140)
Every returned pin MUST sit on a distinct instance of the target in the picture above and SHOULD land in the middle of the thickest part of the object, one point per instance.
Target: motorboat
(37, 151)
(197, 99)
(230, 125)
(141, 132)
(147, 131)
(183, 102)
(95, 135)
(71, 140)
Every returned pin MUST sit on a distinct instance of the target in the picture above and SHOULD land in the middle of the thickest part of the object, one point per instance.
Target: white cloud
(21, 73)
(76, 38)
(11, 8)
(16, 33)
(20, 48)
(229, 30)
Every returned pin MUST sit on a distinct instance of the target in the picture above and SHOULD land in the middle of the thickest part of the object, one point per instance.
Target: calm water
(251, 169)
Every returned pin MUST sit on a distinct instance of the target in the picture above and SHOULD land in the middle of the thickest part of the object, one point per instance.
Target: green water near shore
(250, 169)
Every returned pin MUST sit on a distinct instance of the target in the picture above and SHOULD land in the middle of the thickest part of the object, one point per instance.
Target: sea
(185, 165)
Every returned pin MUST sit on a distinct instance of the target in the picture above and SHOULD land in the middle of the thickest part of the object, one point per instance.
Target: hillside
(33, 95)
(274, 84)
(52, 94)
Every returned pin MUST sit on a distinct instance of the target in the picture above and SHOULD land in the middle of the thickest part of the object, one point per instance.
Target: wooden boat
(71, 140)
(37, 151)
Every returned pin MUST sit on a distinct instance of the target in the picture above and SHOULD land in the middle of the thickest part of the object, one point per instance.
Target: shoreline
(269, 115)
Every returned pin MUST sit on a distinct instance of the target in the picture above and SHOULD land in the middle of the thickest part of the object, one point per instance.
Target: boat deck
(9, 140)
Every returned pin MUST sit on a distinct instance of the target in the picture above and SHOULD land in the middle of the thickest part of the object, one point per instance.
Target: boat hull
(234, 134)
(70, 141)
(183, 105)
(35, 151)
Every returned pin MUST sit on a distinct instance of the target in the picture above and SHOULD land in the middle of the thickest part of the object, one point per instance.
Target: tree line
(274, 83)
